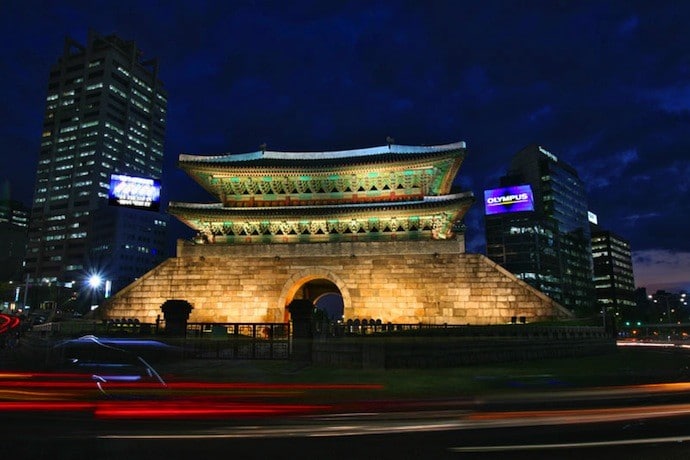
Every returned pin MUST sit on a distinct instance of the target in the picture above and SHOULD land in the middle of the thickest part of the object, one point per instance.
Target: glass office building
(547, 245)
(105, 114)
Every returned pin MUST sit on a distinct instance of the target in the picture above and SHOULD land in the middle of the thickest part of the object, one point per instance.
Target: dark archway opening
(332, 306)
(326, 297)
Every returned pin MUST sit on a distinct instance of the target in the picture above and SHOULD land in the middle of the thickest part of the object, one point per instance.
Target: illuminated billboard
(517, 198)
(592, 218)
(134, 192)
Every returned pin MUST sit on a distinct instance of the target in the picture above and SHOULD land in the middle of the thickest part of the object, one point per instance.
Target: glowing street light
(95, 281)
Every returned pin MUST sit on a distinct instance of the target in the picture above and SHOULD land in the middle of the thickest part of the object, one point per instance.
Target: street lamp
(95, 281)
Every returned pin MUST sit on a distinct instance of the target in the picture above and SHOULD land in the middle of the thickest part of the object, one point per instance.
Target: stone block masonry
(431, 282)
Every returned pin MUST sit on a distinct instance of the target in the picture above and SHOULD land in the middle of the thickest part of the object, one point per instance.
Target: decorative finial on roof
(262, 147)
(389, 141)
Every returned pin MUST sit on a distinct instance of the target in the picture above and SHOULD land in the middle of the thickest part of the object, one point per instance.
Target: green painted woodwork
(324, 191)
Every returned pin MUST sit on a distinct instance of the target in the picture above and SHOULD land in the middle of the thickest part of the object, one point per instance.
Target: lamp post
(26, 292)
(96, 282)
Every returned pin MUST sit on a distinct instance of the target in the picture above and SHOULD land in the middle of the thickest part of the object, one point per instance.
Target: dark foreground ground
(631, 403)
(626, 365)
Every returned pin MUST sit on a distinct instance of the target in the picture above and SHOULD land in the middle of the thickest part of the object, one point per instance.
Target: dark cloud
(602, 84)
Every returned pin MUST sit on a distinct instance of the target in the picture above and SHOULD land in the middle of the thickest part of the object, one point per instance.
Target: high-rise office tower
(537, 228)
(614, 280)
(105, 116)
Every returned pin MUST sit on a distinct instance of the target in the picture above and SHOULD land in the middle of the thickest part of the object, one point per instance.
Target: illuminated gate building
(377, 227)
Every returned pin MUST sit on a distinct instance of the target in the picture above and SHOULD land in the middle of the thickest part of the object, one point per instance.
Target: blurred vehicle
(114, 365)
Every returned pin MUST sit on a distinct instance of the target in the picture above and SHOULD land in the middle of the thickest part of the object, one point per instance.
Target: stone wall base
(431, 282)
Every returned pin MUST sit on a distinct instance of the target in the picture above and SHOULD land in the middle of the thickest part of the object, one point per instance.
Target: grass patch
(624, 366)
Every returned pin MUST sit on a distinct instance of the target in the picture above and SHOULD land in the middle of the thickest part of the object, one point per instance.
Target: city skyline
(602, 85)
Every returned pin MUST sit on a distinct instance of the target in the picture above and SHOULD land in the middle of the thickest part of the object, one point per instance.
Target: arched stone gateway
(314, 277)
(379, 224)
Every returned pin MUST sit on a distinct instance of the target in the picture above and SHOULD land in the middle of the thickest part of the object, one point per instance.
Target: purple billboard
(134, 192)
(517, 198)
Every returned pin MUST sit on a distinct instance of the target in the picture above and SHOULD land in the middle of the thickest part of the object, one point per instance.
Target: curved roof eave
(325, 155)
(428, 200)
(458, 205)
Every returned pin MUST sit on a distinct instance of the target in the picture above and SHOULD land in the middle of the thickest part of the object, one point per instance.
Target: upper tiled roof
(272, 158)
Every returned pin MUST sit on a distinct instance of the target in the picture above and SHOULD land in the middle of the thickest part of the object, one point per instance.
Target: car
(113, 365)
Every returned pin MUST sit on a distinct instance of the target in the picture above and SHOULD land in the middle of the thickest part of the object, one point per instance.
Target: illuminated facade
(614, 280)
(548, 247)
(377, 227)
(105, 114)
(388, 193)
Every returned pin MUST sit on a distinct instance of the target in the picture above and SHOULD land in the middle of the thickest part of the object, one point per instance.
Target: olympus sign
(507, 199)
(517, 198)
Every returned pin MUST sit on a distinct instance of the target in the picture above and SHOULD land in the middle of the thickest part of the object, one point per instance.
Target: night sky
(604, 85)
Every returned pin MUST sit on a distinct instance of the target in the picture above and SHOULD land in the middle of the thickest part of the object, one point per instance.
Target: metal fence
(274, 341)
(237, 341)
(364, 327)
